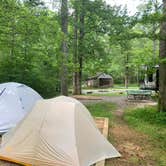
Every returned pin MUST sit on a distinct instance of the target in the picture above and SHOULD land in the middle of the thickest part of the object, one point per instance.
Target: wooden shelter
(101, 80)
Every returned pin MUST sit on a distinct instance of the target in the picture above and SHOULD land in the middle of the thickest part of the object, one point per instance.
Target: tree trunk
(126, 78)
(162, 68)
(64, 60)
(81, 38)
(155, 28)
(75, 57)
(127, 72)
(78, 56)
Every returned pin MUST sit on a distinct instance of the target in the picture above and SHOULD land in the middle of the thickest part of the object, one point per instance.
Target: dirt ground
(133, 146)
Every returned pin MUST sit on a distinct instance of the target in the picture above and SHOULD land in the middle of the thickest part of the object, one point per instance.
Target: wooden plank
(103, 125)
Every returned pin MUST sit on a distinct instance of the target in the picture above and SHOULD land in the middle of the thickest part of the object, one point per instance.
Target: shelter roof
(100, 75)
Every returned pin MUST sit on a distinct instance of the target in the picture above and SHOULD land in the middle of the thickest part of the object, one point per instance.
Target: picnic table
(139, 94)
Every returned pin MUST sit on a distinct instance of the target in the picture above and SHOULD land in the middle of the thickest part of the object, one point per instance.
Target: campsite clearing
(136, 147)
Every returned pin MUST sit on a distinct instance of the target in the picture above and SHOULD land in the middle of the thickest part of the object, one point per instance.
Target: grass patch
(110, 94)
(148, 121)
(152, 123)
(101, 109)
(121, 86)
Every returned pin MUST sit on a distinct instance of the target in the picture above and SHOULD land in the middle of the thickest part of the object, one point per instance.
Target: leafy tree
(29, 46)
(99, 23)
(45, 49)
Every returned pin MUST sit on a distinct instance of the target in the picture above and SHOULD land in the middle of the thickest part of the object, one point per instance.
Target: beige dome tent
(57, 132)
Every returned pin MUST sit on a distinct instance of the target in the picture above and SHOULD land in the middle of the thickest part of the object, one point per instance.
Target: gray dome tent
(16, 100)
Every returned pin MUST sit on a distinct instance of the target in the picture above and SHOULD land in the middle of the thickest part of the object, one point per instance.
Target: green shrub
(148, 115)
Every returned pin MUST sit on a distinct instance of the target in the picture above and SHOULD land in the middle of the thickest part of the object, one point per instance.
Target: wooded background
(53, 50)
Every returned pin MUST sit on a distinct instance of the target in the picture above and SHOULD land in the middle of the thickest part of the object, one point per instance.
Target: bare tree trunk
(75, 57)
(64, 60)
(126, 78)
(127, 72)
(81, 38)
(162, 68)
(79, 53)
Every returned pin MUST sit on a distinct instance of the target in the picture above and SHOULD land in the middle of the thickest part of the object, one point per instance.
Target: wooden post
(105, 133)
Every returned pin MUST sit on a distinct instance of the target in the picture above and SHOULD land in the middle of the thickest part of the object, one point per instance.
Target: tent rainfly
(57, 132)
(15, 101)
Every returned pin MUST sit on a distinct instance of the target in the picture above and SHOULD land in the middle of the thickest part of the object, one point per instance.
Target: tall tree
(79, 33)
(75, 49)
(162, 68)
(64, 59)
(81, 43)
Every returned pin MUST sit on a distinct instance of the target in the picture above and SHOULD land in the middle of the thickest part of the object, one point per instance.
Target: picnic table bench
(138, 94)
